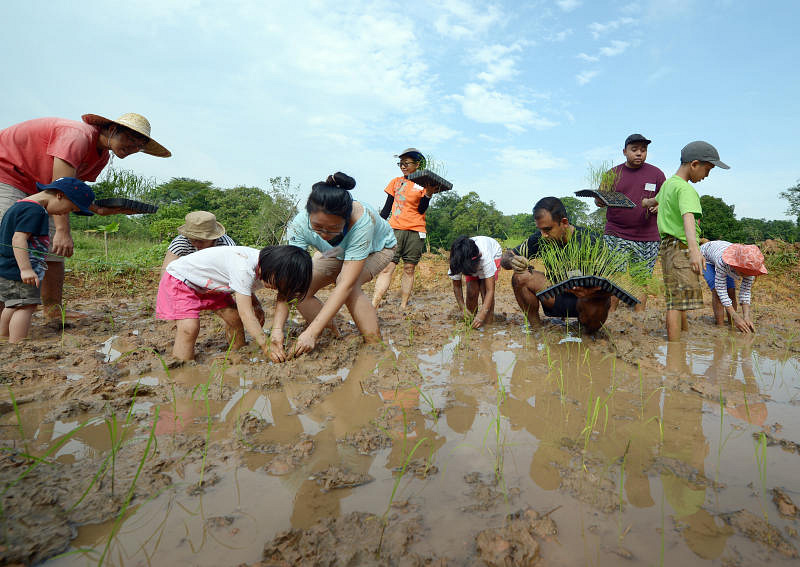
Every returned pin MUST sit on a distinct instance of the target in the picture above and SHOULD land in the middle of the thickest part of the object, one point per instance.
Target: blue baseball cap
(75, 190)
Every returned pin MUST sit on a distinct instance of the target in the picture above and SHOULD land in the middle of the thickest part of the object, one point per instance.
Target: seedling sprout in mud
(628, 445)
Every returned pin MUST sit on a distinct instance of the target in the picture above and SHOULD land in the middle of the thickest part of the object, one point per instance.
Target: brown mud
(508, 445)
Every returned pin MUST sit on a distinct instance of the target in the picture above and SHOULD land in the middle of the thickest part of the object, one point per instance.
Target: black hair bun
(341, 180)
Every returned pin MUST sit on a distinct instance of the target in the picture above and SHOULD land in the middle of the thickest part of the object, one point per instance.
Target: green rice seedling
(118, 521)
(63, 311)
(603, 176)
(621, 486)
(433, 411)
(401, 473)
(43, 459)
(592, 413)
(760, 453)
(21, 430)
(116, 435)
(437, 166)
(584, 257)
(499, 435)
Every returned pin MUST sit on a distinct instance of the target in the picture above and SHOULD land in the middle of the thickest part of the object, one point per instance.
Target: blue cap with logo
(75, 190)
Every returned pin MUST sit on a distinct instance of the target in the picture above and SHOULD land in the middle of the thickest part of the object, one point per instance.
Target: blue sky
(516, 98)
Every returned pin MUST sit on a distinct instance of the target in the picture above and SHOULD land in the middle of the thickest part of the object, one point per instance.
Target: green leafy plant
(591, 257)
(603, 176)
(106, 229)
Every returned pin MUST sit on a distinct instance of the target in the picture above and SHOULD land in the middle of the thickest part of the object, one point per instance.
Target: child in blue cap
(24, 238)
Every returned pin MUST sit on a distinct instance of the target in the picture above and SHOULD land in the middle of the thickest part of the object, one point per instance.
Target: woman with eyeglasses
(354, 245)
(406, 203)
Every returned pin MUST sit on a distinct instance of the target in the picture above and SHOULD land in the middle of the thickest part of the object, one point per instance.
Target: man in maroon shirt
(635, 231)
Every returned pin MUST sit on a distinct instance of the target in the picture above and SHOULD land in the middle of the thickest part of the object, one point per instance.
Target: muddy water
(651, 462)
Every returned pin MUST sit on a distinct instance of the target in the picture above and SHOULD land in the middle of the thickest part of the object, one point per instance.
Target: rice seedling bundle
(586, 262)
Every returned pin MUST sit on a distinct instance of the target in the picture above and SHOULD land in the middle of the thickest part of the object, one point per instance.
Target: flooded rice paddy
(442, 447)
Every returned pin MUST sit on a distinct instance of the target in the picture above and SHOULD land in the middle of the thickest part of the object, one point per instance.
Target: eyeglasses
(135, 138)
(406, 163)
(320, 230)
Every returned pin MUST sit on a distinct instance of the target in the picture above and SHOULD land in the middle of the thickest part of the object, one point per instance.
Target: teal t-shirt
(369, 234)
(676, 198)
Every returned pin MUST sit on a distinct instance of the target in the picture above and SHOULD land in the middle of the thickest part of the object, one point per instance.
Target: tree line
(255, 216)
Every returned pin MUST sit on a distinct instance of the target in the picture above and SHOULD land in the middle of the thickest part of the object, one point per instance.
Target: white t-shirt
(223, 269)
(490, 251)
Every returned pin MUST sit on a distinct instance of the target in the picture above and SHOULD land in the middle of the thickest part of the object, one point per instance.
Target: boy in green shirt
(678, 205)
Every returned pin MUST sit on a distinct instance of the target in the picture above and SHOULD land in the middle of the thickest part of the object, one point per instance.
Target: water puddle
(643, 463)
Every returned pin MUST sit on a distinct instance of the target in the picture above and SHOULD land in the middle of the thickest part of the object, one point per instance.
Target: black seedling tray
(130, 204)
(429, 179)
(588, 281)
(610, 198)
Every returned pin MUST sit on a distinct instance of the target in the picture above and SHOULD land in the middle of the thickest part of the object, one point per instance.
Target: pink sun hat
(747, 259)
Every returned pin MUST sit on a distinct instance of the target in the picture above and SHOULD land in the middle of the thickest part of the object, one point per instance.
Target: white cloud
(597, 29)
(658, 74)
(462, 19)
(487, 106)
(617, 47)
(499, 60)
(602, 154)
(568, 5)
(558, 36)
(431, 134)
(529, 160)
(588, 58)
(585, 76)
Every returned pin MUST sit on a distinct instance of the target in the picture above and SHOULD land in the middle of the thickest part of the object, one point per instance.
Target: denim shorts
(711, 272)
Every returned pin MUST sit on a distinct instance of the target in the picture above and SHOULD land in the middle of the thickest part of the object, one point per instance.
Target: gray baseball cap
(701, 151)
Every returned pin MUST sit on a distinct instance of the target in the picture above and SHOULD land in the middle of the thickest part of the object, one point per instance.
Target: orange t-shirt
(405, 214)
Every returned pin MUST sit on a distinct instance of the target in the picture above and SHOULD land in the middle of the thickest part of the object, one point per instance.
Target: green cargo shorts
(410, 246)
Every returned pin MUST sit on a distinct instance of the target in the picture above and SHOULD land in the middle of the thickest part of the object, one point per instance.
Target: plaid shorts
(683, 287)
(643, 252)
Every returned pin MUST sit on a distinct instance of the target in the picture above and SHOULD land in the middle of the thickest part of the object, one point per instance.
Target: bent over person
(45, 149)
(589, 305)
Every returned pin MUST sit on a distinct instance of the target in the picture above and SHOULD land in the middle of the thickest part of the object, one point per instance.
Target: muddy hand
(742, 325)
(276, 352)
(305, 343)
(519, 264)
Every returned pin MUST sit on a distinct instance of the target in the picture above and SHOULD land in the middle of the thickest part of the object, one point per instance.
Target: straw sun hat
(201, 225)
(135, 122)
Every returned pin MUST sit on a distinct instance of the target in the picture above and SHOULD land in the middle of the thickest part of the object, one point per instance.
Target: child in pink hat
(725, 263)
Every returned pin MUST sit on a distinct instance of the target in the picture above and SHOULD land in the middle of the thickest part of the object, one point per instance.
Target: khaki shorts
(373, 265)
(10, 195)
(683, 287)
(18, 294)
(410, 246)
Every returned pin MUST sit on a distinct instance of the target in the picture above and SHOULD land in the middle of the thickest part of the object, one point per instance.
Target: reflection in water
(556, 422)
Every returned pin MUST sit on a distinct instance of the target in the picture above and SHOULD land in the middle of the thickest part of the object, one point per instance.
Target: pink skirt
(176, 300)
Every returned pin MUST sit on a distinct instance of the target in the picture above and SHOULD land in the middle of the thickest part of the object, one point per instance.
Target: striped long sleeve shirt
(181, 246)
(712, 252)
